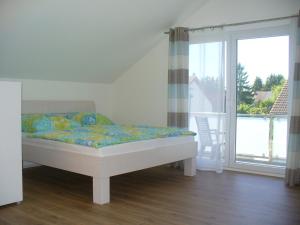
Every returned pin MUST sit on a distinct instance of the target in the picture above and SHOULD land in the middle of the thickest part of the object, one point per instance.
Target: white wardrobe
(10, 143)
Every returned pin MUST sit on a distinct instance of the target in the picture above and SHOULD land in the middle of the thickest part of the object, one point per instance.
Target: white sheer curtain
(207, 101)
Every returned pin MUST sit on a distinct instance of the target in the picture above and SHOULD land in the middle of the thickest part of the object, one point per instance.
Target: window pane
(262, 76)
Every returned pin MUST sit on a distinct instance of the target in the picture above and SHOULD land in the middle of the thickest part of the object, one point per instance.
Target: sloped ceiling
(82, 40)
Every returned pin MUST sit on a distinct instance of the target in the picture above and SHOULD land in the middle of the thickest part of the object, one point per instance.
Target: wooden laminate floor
(152, 197)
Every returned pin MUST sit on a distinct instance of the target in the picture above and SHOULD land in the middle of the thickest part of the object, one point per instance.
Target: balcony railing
(266, 135)
(259, 138)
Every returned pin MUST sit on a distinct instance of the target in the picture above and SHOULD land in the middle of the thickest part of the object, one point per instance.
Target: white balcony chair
(208, 138)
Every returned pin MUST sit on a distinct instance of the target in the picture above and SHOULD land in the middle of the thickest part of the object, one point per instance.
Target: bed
(108, 161)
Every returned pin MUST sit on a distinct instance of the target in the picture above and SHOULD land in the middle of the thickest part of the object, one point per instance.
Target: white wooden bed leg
(189, 167)
(101, 190)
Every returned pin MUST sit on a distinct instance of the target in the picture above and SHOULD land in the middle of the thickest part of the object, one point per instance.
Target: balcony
(260, 139)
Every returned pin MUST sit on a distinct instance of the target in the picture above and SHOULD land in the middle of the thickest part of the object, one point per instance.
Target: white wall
(101, 94)
(230, 11)
(83, 41)
(140, 94)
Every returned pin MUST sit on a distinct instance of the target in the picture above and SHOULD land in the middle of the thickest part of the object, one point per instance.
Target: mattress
(107, 150)
(98, 136)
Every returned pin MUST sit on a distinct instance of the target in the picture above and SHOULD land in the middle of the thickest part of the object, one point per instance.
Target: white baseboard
(254, 172)
(27, 164)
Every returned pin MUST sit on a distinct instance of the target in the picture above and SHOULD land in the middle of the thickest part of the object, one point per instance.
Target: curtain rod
(238, 24)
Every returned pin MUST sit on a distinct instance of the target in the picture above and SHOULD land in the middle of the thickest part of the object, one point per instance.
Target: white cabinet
(10, 143)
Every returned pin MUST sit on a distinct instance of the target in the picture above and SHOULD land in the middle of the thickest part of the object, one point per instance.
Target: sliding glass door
(259, 96)
(239, 88)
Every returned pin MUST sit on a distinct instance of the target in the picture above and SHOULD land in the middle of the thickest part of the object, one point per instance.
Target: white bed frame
(91, 162)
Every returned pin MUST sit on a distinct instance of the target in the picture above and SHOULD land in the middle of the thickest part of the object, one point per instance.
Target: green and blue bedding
(91, 129)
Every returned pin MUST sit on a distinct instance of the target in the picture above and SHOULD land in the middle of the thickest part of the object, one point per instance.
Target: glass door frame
(283, 30)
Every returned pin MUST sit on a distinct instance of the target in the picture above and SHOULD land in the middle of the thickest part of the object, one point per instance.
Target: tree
(276, 91)
(243, 108)
(273, 80)
(261, 107)
(258, 84)
(244, 90)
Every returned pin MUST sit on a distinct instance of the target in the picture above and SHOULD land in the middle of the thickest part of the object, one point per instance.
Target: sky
(264, 56)
(260, 57)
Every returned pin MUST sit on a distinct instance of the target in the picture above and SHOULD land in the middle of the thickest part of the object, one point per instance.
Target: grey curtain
(293, 156)
(178, 78)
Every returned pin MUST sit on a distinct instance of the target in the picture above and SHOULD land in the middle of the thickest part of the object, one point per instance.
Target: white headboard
(40, 106)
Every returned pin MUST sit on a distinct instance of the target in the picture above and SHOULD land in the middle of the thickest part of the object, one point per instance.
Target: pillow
(84, 118)
(62, 123)
(89, 118)
(103, 120)
(29, 121)
(40, 122)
